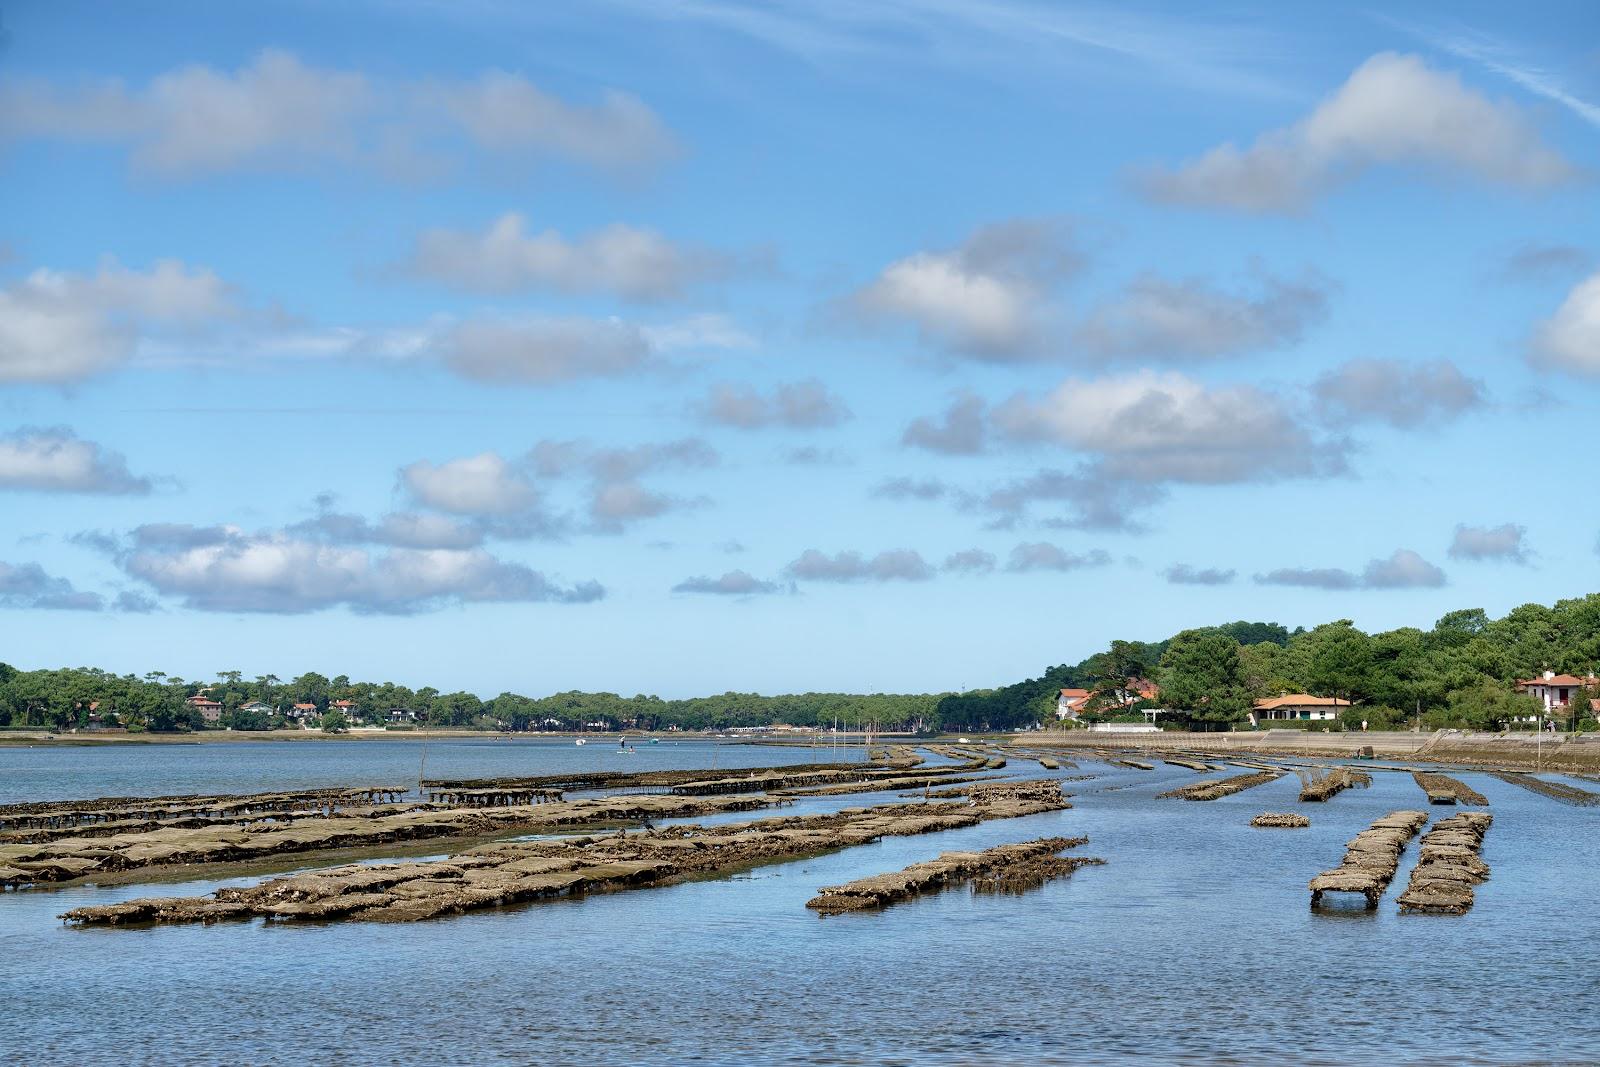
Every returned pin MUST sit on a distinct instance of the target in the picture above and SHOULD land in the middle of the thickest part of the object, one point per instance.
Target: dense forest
(1461, 672)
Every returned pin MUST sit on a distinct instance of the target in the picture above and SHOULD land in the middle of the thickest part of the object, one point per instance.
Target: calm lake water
(1194, 944)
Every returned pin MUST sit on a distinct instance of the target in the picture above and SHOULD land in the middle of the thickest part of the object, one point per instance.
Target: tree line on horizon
(1460, 673)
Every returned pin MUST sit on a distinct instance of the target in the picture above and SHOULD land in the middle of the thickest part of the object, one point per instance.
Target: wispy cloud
(1496, 58)
(1002, 36)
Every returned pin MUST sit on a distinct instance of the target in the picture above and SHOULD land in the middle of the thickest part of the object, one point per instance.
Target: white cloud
(615, 503)
(1403, 395)
(508, 114)
(905, 488)
(198, 120)
(1507, 542)
(276, 572)
(1089, 498)
(1043, 556)
(485, 484)
(1184, 574)
(987, 298)
(1394, 109)
(733, 583)
(636, 264)
(1155, 428)
(543, 351)
(279, 114)
(1404, 569)
(960, 431)
(1570, 339)
(1162, 319)
(506, 498)
(58, 461)
(902, 564)
(403, 529)
(970, 561)
(57, 326)
(27, 585)
(1531, 78)
(796, 405)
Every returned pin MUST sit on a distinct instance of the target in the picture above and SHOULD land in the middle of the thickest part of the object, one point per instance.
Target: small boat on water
(580, 741)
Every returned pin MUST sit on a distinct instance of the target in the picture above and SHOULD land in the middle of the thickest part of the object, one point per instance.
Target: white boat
(580, 741)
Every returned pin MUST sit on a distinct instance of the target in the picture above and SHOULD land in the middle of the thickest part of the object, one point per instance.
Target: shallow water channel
(1195, 943)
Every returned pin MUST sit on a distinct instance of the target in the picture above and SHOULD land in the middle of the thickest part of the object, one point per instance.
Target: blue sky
(683, 347)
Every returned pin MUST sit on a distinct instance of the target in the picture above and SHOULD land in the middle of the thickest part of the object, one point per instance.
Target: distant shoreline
(46, 738)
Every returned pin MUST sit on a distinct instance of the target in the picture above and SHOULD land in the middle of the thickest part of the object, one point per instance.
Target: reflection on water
(1195, 943)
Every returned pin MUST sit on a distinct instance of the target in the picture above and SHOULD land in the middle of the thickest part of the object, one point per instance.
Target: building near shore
(1069, 702)
(210, 710)
(1297, 706)
(1557, 691)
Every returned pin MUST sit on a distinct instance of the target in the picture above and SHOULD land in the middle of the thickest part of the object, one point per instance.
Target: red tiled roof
(1560, 679)
(1301, 700)
(1074, 694)
(305, 707)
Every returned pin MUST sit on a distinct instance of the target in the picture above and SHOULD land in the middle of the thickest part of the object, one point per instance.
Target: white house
(1302, 706)
(1556, 690)
(1070, 702)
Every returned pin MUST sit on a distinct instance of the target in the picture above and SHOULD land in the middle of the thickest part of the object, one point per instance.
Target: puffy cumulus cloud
(1404, 569)
(1570, 339)
(1505, 543)
(805, 405)
(905, 488)
(542, 351)
(900, 564)
(1394, 109)
(1157, 428)
(277, 113)
(633, 263)
(987, 298)
(225, 569)
(1156, 318)
(56, 460)
(27, 585)
(733, 583)
(1087, 498)
(1403, 395)
(60, 326)
(1043, 556)
(959, 431)
(1184, 574)
(970, 561)
(503, 497)
(485, 484)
